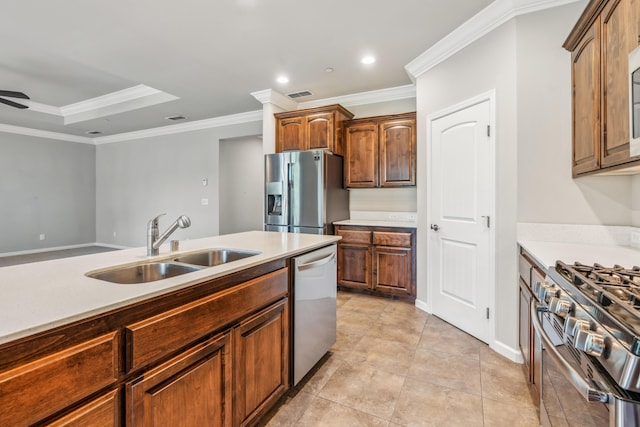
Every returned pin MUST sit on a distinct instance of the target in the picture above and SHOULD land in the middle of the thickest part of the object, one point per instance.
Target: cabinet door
(261, 362)
(586, 102)
(192, 389)
(103, 411)
(392, 270)
(398, 153)
(290, 134)
(354, 266)
(361, 163)
(619, 38)
(525, 327)
(319, 130)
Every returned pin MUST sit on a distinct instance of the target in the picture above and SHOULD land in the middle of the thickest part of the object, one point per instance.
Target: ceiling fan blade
(13, 104)
(12, 94)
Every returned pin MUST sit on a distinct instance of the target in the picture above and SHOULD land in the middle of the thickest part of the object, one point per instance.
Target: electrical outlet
(42, 237)
(634, 239)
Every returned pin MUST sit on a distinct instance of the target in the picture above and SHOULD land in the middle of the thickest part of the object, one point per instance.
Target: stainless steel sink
(143, 273)
(213, 257)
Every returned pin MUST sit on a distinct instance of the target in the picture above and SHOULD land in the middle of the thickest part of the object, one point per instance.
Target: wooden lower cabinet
(103, 411)
(214, 354)
(193, 389)
(379, 260)
(261, 363)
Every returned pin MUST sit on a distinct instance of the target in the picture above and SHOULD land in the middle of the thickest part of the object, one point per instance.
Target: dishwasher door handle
(317, 263)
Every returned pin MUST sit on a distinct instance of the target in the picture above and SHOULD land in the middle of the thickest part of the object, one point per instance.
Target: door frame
(486, 96)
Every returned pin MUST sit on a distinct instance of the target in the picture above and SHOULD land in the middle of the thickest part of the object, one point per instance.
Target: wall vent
(299, 94)
(175, 118)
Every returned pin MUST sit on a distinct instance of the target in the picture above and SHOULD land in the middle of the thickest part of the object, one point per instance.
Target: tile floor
(394, 365)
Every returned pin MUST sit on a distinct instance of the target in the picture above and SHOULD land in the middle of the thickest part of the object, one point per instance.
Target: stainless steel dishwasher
(314, 309)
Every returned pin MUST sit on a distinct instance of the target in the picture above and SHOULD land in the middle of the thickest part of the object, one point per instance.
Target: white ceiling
(209, 54)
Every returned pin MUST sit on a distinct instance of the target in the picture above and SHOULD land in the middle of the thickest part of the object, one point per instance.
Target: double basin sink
(163, 269)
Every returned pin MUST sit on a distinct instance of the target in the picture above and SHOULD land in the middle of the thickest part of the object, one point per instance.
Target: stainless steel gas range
(588, 325)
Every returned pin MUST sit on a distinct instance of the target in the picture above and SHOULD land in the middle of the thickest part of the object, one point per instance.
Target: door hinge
(488, 130)
(487, 312)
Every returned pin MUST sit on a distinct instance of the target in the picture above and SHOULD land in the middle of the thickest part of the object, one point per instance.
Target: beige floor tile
(425, 404)
(451, 341)
(408, 335)
(365, 389)
(345, 343)
(505, 388)
(461, 373)
(366, 304)
(322, 375)
(355, 322)
(501, 414)
(291, 410)
(382, 354)
(324, 412)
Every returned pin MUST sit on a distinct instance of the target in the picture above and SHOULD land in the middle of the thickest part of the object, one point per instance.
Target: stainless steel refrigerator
(304, 192)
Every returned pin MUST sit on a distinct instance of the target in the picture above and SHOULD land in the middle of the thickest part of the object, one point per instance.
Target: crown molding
(234, 119)
(371, 97)
(276, 98)
(485, 21)
(44, 134)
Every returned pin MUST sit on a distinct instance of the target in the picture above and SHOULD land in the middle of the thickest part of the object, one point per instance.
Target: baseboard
(422, 306)
(510, 353)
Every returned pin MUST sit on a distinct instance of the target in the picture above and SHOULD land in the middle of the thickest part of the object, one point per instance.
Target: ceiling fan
(12, 94)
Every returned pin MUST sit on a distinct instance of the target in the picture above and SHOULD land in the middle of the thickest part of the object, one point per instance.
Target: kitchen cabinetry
(215, 353)
(381, 151)
(315, 128)
(378, 260)
(529, 273)
(600, 42)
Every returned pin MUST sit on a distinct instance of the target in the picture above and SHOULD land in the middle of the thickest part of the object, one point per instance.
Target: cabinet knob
(435, 227)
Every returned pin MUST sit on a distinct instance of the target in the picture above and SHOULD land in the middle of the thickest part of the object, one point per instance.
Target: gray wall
(139, 179)
(47, 187)
(241, 184)
(487, 64)
(546, 190)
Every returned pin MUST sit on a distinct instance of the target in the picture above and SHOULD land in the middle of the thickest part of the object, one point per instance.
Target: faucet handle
(154, 222)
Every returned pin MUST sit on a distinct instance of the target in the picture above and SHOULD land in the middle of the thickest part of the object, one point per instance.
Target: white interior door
(461, 205)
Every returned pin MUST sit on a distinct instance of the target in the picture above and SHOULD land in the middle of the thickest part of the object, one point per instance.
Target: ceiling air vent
(93, 132)
(175, 118)
(299, 94)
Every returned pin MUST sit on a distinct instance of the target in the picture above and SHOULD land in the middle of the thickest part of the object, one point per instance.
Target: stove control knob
(590, 342)
(545, 291)
(572, 325)
(560, 306)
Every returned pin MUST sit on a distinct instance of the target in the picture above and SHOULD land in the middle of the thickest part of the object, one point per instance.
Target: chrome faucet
(154, 240)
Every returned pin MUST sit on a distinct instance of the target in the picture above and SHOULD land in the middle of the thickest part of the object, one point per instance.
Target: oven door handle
(579, 382)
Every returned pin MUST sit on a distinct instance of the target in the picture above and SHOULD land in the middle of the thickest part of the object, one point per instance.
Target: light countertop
(43, 295)
(377, 223)
(547, 253)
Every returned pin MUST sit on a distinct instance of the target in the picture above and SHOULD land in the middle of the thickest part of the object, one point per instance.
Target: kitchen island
(207, 347)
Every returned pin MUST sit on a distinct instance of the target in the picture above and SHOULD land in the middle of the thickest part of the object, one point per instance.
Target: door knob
(435, 227)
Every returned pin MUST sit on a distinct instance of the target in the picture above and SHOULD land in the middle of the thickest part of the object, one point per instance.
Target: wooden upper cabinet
(600, 43)
(381, 151)
(618, 39)
(586, 103)
(315, 128)
(361, 163)
(398, 153)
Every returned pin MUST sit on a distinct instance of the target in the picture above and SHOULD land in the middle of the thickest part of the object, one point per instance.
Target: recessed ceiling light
(368, 60)
(282, 79)
(329, 70)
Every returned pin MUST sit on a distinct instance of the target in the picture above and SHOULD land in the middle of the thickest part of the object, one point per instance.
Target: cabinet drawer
(524, 268)
(391, 239)
(101, 412)
(355, 236)
(40, 388)
(165, 333)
